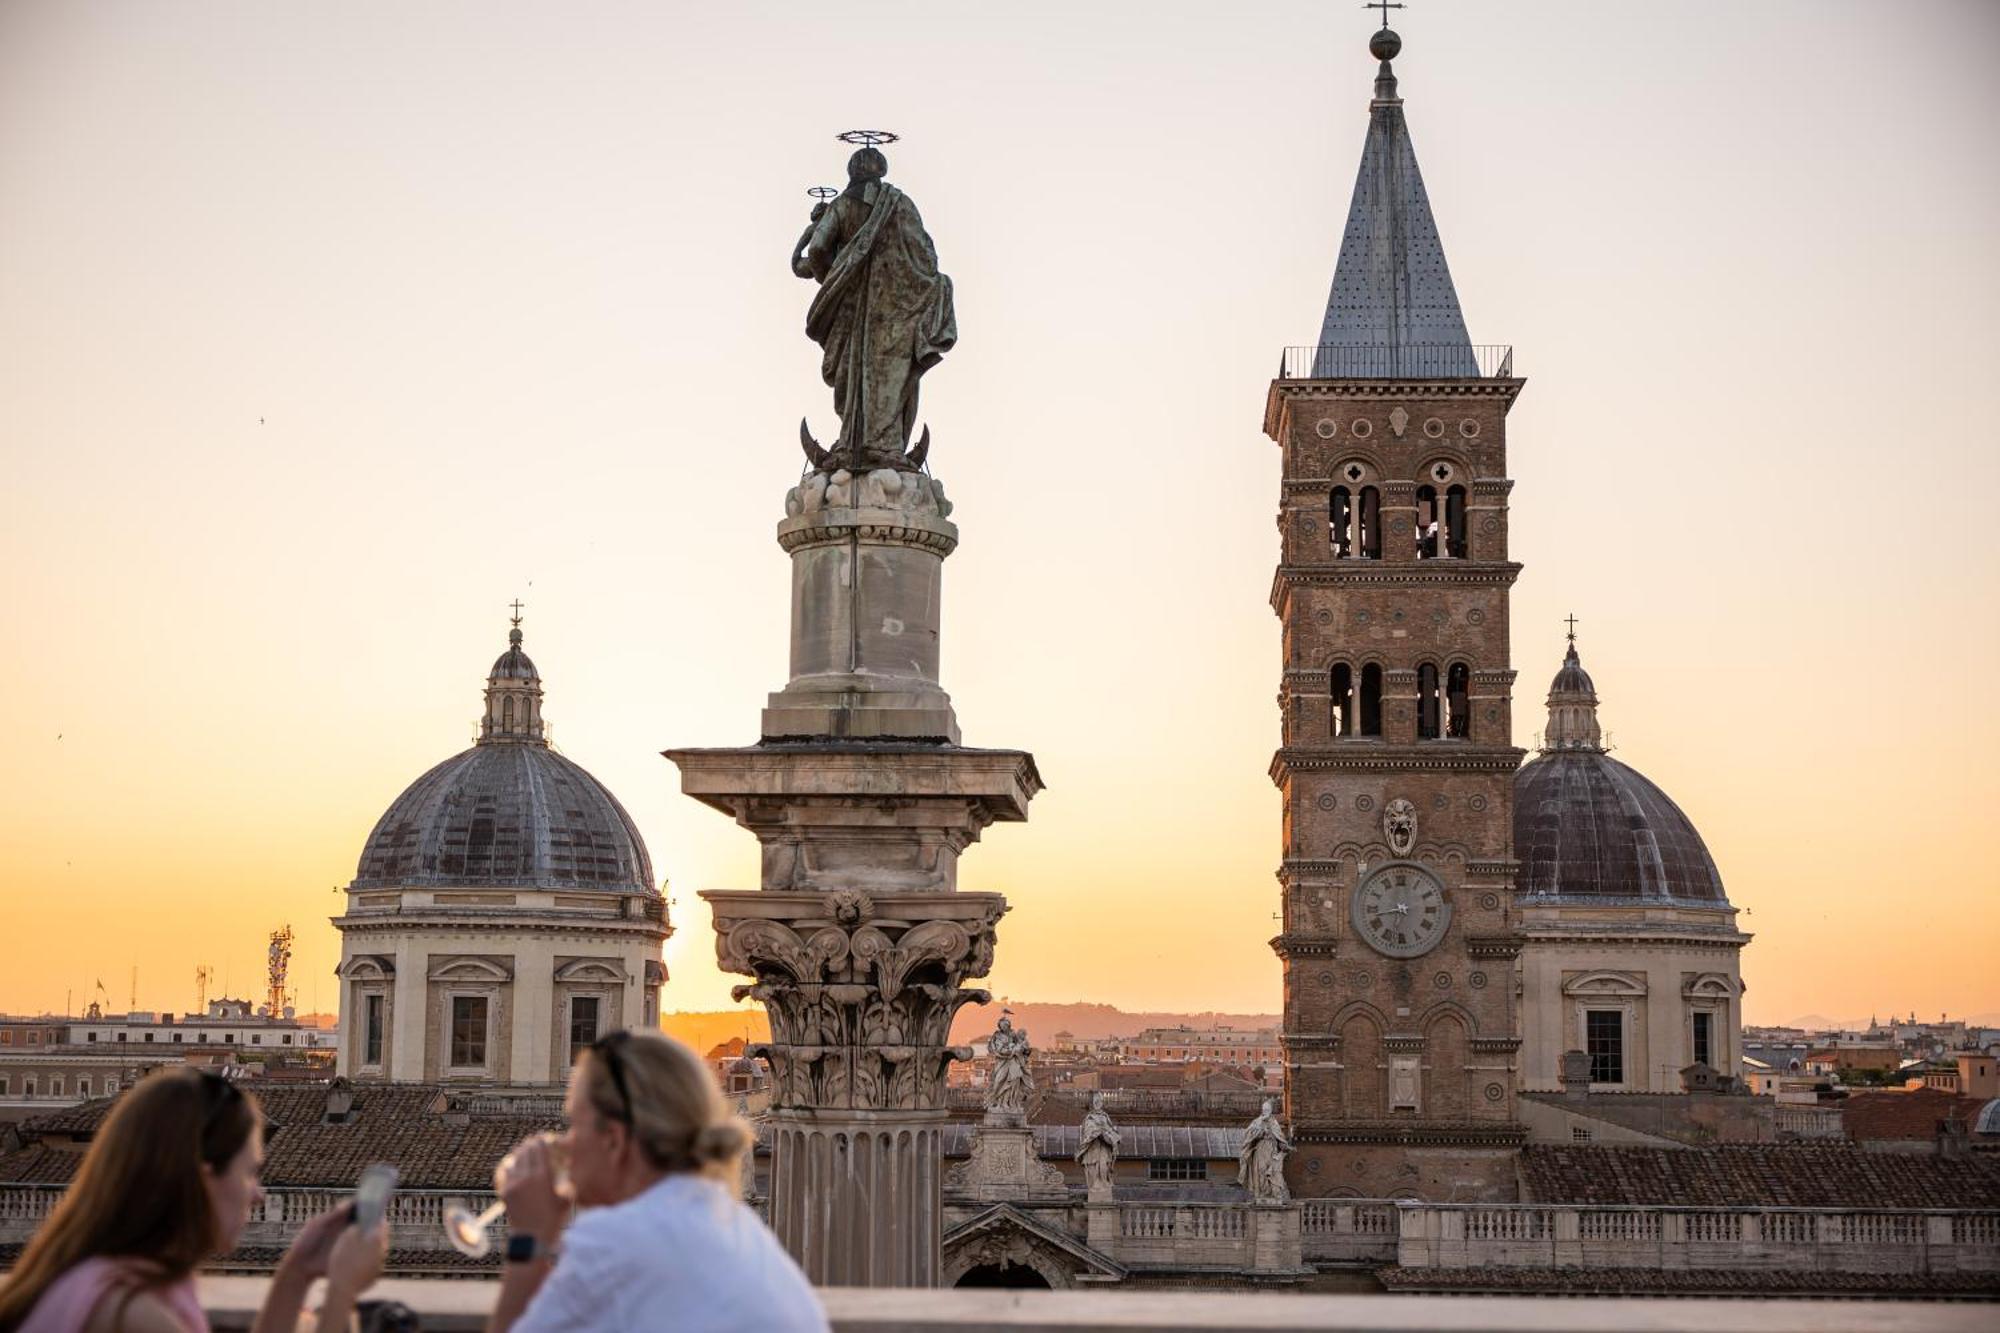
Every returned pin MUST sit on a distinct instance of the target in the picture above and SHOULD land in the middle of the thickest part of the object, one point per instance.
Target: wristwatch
(526, 1249)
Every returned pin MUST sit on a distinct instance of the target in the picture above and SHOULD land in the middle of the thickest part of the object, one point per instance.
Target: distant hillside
(706, 1030)
(1086, 1022)
(1090, 1022)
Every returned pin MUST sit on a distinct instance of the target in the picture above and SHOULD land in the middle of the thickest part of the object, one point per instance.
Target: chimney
(1575, 1076)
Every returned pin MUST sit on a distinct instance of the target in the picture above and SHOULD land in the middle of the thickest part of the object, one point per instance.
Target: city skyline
(308, 385)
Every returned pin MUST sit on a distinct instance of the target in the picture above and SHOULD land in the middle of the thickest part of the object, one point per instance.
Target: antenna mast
(280, 963)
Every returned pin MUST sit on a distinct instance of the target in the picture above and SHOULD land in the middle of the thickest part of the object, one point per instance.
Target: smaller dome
(1587, 826)
(513, 664)
(1572, 679)
(506, 815)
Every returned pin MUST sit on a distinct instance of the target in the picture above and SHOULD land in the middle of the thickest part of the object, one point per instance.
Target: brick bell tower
(1398, 757)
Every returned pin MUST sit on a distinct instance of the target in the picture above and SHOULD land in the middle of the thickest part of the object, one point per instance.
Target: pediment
(1605, 983)
(368, 967)
(1004, 1233)
(591, 969)
(471, 967)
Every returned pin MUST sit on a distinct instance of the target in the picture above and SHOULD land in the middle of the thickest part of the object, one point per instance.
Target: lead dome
(509, 812)
(1588, 826)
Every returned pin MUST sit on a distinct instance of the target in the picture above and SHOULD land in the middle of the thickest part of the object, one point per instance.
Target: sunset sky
(328, 330)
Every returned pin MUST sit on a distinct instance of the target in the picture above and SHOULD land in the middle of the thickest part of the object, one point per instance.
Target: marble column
(857, 939)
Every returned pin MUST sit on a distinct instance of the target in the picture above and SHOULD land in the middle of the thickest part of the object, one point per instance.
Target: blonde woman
(660, 1239)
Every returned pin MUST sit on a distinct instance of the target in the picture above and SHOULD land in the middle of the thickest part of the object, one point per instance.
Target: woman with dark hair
(169, 1181)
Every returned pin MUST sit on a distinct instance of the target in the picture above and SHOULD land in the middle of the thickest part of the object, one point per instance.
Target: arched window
(507, 713)
(1458, 701)
(1454, 522)
(1427, 702)
(1340, 521)
(1371, 523)
(1427, 522)
(1371, 700)
(1341, 708)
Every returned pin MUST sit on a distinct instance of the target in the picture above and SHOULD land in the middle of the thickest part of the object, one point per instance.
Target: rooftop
(1761, 1175)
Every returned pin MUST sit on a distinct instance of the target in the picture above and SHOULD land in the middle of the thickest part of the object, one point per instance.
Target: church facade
(503, 915)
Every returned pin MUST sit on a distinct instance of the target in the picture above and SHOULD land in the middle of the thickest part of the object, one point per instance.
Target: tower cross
(517, 612)
(1570, 620)
(1385, 6)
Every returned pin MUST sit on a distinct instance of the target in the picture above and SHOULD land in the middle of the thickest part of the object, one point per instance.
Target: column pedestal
(857, 940)
(1004, 1167)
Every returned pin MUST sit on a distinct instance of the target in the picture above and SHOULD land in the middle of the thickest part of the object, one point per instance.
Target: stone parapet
(452, 1305)
(1492, 1236)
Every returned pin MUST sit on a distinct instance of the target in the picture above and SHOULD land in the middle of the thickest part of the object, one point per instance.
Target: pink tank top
(65, 1307)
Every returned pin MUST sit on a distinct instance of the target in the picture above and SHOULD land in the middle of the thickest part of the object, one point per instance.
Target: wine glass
(466, 1230)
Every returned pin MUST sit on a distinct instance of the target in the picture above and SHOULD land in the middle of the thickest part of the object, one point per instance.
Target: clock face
(1401, 910)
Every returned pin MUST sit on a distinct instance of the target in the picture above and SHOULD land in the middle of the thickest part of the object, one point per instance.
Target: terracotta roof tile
(1770, 1176)
(1905, 1115)
(394, 1124)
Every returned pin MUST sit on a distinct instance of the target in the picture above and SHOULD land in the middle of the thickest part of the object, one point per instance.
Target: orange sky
(327, 331)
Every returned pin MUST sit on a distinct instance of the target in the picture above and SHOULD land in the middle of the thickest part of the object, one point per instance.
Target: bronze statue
(883, 316)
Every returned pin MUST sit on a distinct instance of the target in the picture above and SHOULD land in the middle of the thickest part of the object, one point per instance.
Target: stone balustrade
(1747, 1239)
(1349, 1231)
(1233, 1237)
(1808, 1122)
(416, 1217)
(1271, 1240)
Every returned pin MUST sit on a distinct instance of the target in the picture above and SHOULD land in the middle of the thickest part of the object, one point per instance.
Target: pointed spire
(513, 695)
(1392, 301)
(1573, 706)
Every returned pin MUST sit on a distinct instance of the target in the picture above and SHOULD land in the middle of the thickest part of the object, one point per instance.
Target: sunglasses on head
(606, 1050)
(217, 1093)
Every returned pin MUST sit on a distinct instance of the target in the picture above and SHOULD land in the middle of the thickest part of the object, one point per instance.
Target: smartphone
(371, 1195)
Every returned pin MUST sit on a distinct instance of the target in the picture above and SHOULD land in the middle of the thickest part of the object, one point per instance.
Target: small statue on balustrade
(1098, 1151)
(1260, 1163)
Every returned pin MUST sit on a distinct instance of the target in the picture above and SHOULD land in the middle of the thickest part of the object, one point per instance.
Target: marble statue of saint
(882, 317)
(1011, 1085)
(1099, 1148)
(1260, 1163)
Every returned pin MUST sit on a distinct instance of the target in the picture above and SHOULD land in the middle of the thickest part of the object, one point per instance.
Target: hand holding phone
(371, 1195)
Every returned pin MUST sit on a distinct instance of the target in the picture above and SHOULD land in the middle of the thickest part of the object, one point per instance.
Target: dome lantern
(1573, 706)
(513, 696)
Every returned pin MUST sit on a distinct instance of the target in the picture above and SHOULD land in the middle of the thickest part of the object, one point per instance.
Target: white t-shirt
(685, 1255)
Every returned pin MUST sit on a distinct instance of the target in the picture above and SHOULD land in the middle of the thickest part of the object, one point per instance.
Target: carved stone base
(1004, 1167)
